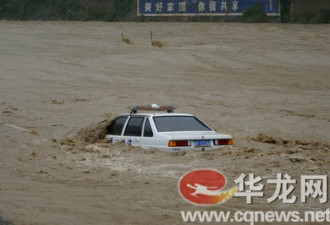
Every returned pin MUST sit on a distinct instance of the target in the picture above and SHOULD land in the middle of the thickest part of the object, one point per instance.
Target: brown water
(266, 84)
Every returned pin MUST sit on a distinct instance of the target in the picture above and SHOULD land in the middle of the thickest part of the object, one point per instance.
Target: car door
(148, 138)
(133, 130)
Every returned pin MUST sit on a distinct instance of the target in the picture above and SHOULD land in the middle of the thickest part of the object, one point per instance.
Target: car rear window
(179, 123)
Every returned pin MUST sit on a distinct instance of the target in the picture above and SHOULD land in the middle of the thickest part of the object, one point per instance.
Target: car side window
(134, 126)
(147, 129)
(117, 125)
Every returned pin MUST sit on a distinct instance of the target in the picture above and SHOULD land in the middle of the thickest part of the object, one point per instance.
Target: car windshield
(179, 123)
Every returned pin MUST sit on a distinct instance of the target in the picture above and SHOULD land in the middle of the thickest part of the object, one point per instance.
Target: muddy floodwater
(268, 85)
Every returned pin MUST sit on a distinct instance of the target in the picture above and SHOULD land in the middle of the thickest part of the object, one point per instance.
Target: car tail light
(223, 142)
(178, 143)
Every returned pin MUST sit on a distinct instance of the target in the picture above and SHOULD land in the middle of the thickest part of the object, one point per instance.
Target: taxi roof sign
(152, 107)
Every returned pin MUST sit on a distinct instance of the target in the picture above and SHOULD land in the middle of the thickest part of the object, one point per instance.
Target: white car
(166, 131)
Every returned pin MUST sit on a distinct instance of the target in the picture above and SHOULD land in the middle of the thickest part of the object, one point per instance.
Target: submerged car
(166, 131)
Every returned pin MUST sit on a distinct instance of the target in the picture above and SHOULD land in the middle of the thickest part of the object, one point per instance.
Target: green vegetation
(254, 14)
(322, 16)
(285, 11)
(83, 10)
(304, 12)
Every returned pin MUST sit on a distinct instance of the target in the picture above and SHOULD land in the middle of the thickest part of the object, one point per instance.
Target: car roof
(155, 114)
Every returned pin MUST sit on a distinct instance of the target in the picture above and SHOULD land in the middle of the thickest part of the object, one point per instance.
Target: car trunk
(195, 135)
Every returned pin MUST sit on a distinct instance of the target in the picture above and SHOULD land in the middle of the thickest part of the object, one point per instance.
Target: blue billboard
(204, 7)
